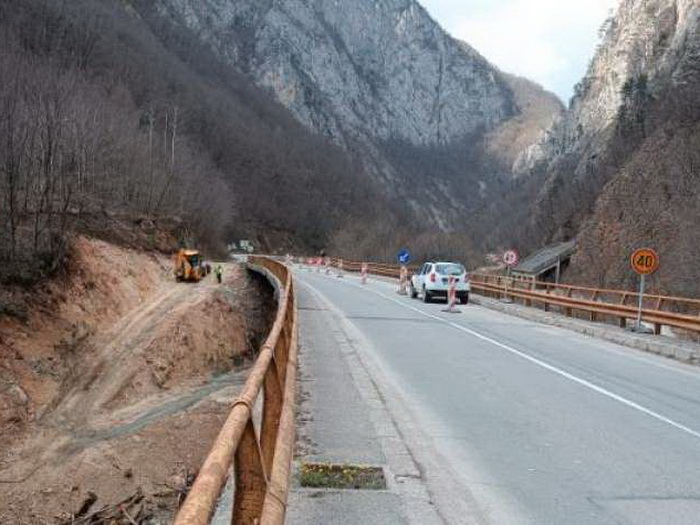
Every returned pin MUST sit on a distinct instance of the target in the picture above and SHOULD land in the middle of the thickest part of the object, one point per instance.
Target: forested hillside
(354, 129)
(424, 114)
(101, 119)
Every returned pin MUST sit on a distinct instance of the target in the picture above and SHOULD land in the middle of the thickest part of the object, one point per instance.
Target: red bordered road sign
(511, 258)
(645, 261)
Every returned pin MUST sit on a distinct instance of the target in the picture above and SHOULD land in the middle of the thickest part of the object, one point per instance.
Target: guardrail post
(533, 285)
(272, 409)
(281, 356)
(594, 315)
(623, 320)
(567, 311)
(251, 480)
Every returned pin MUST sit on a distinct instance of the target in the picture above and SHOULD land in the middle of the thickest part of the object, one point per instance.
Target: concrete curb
(685, 351)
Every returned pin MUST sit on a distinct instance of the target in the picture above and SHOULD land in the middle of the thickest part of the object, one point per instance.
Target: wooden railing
(260, 452)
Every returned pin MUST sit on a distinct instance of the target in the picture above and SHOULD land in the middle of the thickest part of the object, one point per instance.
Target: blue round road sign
(404, 257)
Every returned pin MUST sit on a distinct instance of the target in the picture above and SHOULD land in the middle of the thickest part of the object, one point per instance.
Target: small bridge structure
(547, 263)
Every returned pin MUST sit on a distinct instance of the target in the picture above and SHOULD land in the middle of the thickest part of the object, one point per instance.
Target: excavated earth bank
(114, 383)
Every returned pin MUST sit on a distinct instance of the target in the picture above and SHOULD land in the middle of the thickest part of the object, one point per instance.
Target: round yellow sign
(645, 261)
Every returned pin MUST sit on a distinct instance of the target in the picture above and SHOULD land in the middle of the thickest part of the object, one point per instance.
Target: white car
(433, 278)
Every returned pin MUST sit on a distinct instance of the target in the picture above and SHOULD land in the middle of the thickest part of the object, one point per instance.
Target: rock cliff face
(382, 79)
(382, 69)
(619, 170)
(644, 49)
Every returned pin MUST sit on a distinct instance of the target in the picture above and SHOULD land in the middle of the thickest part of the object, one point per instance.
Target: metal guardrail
(386, 270)
(660, 310)
(598, 303)
(261, 453)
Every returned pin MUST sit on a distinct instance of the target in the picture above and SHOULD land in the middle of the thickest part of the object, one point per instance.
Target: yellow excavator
(189, 266)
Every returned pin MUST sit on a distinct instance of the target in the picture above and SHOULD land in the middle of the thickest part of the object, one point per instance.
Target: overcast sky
(548, 41)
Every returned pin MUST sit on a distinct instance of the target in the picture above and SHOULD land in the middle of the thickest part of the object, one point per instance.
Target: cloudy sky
(549, 41)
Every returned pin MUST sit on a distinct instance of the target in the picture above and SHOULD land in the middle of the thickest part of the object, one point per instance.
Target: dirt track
(120, 350)
(140, 407)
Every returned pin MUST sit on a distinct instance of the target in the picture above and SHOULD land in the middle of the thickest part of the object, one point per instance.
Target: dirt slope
(118, 382)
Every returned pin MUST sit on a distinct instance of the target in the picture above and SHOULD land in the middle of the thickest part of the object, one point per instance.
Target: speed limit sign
(645, 261)
(511, 258)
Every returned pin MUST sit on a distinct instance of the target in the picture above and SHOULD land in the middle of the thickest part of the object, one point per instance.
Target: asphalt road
(540, 425)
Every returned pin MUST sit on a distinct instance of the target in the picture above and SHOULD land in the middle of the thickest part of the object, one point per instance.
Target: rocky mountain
(302, 124)
(620, 169)
(382, 79)
(354, 69)
(645, 47)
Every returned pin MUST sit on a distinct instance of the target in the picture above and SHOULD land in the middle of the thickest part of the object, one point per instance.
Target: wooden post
(272, 410)
(251, 479)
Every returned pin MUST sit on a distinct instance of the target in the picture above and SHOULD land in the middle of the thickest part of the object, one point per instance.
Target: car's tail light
(432, 278)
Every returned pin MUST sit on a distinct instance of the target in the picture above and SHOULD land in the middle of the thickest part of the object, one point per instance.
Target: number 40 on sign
(645, 261)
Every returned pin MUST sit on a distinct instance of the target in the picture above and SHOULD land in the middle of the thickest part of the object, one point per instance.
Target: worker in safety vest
(219, 272)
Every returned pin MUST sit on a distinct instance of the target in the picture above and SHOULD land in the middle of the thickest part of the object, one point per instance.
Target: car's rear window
(449, 269)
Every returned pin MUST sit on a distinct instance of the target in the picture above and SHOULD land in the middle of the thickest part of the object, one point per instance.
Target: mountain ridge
(383, 80)
(626, 144)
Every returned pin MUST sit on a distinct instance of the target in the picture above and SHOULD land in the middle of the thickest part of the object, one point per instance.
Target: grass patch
(337, 476)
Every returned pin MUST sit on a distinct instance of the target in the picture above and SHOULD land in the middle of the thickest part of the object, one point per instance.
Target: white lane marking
(607, 346)
(610, 347)
(583, 382)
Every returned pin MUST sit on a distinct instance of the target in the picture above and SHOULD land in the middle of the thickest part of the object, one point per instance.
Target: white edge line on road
(542, 364)
(442, 500)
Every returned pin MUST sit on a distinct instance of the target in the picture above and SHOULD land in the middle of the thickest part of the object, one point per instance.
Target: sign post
(404, 257)
(510, 259)
(403, 281)
(645, 261)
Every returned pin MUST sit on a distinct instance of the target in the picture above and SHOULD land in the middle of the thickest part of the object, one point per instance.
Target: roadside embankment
(115, 380)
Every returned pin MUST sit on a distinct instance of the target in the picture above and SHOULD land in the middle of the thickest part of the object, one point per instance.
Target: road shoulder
(343, 419)
(337, 362)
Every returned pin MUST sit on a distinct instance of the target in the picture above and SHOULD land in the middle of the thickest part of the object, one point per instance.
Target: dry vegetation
(638, 184)
(107, 112)
(653, 200)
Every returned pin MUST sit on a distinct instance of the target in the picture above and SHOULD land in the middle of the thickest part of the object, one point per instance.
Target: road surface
(536, 424)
